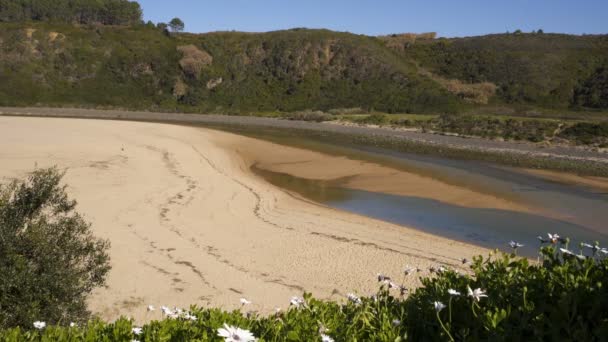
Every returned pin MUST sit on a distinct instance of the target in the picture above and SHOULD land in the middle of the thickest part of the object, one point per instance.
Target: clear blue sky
(373, 17)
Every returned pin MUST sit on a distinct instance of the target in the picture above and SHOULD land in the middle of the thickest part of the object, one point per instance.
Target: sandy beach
(190, 223)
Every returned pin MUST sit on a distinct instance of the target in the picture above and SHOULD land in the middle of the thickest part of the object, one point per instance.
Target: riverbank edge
(572, 160)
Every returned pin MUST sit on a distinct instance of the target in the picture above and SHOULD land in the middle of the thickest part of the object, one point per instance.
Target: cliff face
(141, 67)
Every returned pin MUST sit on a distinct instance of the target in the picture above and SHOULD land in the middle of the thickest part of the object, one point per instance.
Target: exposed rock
(55, 35)
(29, 32)
(193, 60)
(180, 89)
(214, 83)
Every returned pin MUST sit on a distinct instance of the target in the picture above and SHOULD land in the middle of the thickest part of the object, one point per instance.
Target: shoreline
(197, 227)
(520, 154)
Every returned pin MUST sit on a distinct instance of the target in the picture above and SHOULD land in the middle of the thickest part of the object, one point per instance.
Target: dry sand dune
(190, 224)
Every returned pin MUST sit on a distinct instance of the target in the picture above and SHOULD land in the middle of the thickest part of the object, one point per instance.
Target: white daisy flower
(453, 292)
(39, 325)
(541, 239)
(326, 338)
(515, 245)
(439, 306)
(554, 238)
(234, 334)
(297, 301)
(476, 294)
(137, 331)
(354, 299)
(72, 325)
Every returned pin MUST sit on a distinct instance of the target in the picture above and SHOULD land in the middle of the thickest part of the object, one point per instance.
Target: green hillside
(546, 70)
(73, 54)
(141, 67)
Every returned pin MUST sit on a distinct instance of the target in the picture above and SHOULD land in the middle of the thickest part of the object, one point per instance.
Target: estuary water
(577, 211)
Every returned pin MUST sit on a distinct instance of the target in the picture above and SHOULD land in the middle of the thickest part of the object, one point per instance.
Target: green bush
(587, 132)
(316, 116)
(108, 12)
(504, 298)
(374, 119)
(49, 259)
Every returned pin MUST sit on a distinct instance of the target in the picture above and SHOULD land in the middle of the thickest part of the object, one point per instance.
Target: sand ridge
(362, 175)
(190, 224)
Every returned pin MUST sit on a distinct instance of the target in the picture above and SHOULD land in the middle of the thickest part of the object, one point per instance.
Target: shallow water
(574, 211)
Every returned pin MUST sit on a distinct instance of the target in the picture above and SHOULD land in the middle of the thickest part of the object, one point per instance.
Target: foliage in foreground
(49, 259)
(560, 298)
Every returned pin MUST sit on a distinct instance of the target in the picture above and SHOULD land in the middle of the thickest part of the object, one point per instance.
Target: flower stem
(450, 309)
(444, 328)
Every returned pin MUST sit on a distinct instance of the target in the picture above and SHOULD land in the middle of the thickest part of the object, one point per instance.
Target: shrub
(317, 116)
(49, 259)
(505, 298)
(374, 119)
(587, 132)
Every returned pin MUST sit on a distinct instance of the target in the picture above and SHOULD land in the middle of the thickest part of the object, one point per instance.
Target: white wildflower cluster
(176, 313)
(297, 301)
(353, 299)
(515, 245)
(386, 280)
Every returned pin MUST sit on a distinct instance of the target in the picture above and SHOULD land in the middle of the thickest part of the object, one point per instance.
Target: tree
(109, 12)
(49, 259)
(176, 25)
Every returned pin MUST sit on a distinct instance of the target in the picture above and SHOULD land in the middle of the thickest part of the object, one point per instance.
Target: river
(572, 210)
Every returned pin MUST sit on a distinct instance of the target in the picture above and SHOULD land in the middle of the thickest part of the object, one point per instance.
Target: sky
(449, 18)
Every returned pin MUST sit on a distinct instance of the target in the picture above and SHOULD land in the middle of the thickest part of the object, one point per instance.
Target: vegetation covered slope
(548, 70)
(100, 53)
(141, 67)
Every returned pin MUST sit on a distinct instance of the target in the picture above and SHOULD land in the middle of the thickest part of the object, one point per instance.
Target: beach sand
(363, 175)
(189, 223)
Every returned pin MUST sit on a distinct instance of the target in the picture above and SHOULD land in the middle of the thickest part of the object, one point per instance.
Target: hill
(74, 54)
(141, 67)
(546, 70)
